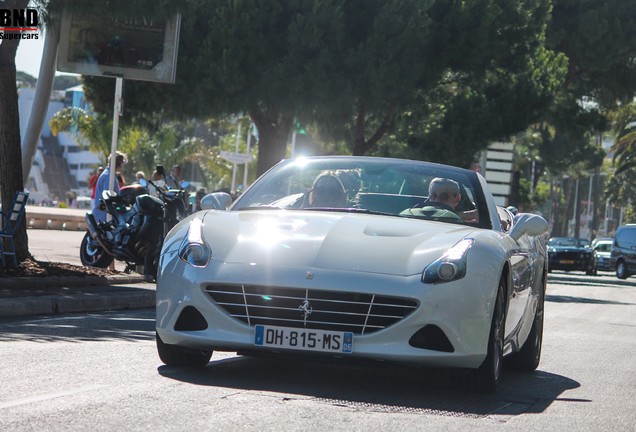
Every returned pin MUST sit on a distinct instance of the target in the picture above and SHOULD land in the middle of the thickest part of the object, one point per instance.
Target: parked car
(602, 250)
(599, 239)
(570, 254)
(623, 255)
(375, 274)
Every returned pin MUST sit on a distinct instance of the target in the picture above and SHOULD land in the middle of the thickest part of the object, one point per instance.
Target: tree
(352, 68)
(622, 184)
(10, 150)
(598, 39)
(624, 148)
(11, 178)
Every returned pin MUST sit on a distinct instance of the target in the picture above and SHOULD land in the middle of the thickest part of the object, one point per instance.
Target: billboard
(132, 47)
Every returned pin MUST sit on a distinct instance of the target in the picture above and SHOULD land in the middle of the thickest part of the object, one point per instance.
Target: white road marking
(49, 396)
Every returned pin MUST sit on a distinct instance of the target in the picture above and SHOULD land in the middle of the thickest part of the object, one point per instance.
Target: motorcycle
(139, 223)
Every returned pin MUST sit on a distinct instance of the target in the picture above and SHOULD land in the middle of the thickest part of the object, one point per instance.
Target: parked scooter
(139, 223)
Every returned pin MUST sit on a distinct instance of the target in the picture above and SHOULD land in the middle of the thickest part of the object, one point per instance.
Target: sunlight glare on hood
(271, 231)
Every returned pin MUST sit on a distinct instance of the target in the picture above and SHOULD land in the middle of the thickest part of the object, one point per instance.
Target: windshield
(603, 247)
(389, 187)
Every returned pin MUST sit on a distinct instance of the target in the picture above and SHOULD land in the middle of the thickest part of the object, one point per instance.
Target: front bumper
(570, 264)
(460, 309)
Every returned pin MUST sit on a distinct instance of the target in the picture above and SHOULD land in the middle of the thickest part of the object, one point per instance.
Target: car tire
(92, 254)
(486, 377)
(173, 355)
(621, 270)
(528, 357)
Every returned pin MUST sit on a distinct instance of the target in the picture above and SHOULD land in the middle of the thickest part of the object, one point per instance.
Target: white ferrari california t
(360, 257)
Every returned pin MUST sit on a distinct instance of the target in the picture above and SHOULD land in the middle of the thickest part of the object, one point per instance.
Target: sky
(29, 55)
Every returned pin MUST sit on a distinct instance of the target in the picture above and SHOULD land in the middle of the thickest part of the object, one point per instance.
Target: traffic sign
(239, 158)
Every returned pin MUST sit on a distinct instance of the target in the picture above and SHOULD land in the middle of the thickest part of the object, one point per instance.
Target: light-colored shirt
(102, 185)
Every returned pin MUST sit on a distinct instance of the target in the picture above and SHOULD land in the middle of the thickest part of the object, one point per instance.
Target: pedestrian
(139, 175)
(92, 183)
(103, 184)
(197, 200)
(121, 181)
(157, 183)
(174, 179)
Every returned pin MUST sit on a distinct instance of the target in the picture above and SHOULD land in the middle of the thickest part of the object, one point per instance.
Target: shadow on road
(132, 325)
(572, 299)
(380, 387)
(581, 279)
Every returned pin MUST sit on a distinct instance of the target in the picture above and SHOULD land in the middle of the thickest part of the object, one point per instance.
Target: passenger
(350, 179)
(443, 197)
(328, 191)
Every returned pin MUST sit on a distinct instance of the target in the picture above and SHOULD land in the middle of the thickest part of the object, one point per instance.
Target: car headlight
(194, 250)
(451, 266)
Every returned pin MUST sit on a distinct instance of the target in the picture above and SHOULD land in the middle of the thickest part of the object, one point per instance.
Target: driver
(443, 197)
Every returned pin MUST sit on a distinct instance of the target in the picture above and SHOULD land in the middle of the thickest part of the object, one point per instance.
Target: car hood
(333, 240)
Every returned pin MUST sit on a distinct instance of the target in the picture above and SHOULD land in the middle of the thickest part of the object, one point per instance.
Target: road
(101, 372)
(59, 246)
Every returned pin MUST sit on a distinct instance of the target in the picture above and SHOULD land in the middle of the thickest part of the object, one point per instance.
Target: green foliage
(25, 78)
(622, 183)
(624, 148)
(63, 82)
(598, 38)
(354, 68)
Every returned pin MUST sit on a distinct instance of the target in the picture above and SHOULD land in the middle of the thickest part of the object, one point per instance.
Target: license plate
(304, 339)
(567, 261)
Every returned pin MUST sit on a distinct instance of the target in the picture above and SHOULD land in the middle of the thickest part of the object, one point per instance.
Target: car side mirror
(529, 224)
(143, 182)
(216, 201)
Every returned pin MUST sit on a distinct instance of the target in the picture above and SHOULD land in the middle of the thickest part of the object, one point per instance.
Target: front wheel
(621, 270)
(173, 355)
(487, 375)
(92, 254)
(528, 357)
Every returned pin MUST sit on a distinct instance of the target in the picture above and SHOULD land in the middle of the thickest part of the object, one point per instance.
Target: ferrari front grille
(316, 309)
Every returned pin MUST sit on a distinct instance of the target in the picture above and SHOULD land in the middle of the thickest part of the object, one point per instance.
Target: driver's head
(444, 191)
(327, 191)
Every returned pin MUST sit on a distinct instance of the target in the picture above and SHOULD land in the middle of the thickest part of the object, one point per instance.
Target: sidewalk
(57, 295)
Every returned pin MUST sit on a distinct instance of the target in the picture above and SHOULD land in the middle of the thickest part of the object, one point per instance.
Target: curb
(68, 281)
(83, 302)
(25, 296)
